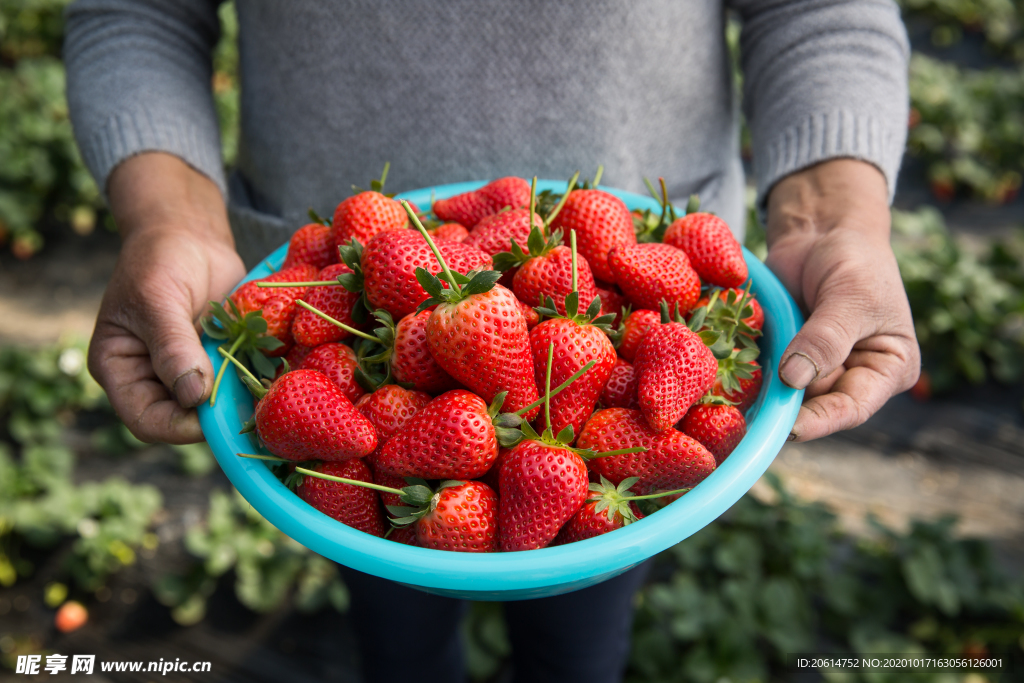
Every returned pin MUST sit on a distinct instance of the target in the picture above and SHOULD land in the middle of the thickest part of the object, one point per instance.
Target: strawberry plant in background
(1000, 22)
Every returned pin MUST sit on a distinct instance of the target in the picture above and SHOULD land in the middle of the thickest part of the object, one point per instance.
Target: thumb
(178, 357)
(822, 345)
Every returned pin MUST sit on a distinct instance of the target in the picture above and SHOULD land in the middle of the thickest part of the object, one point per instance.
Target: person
(470, 90)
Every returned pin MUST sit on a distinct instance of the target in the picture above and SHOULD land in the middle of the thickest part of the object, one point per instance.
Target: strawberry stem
(621, 451)
(254, 456)
(575, 271)
(575, 376)
(269, 266)
(657, 495)
(433, 247)
(561, 202)
(533, 203)
(342, 480)
(597, 176)
(337, 323)
(547, 385)
(316, 283)
(223, 368)
(254, 385)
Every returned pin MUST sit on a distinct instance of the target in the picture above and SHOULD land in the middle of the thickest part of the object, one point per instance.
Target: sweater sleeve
(138, 79)
(823, 79)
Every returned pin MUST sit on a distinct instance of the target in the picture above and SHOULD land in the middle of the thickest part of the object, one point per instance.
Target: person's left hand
(828, 241)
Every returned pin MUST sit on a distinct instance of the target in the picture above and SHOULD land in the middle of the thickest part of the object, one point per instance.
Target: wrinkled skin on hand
(177, 255)
(828, 242)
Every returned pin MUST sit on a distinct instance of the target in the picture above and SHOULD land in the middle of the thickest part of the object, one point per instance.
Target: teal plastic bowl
(534, 573)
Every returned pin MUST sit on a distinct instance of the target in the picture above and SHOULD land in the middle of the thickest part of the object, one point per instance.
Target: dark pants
(405, 634)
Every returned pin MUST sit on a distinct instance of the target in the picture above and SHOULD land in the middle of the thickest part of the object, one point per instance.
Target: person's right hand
(177, 255)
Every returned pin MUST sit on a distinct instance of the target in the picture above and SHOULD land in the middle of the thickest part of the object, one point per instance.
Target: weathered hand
(177, 255)
(828, 241)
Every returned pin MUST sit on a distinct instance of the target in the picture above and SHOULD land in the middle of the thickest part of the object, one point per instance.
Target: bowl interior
(536, 573)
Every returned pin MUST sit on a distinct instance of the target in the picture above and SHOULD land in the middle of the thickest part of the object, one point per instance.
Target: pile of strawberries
(504, 372)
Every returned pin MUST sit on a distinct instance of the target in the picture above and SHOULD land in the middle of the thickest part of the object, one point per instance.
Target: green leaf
(482, 282)
(430, 283)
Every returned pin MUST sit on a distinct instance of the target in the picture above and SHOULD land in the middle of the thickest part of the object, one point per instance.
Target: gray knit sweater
(477, 89)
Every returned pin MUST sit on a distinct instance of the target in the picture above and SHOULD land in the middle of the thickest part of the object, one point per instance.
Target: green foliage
(1000, 21)
(31, 28)
(967, 126)
(225, 82)
(968, 307)
(269, 567)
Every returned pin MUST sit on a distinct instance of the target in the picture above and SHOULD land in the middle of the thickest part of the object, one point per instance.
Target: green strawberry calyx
(376, 185)
(616, 500)
(592, 316)
(726, 312)
(243, 335)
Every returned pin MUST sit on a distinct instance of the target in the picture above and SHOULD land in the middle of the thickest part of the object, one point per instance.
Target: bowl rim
(769, 423)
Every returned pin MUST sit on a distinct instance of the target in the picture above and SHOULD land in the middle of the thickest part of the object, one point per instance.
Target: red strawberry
(492, 475)
(352, 505)
(713, 250)
(310, 329)
(620, 391)
(542, 485)
(251, 297)
(411, 362)
(390, 260)
(482, 342)
(607, 508)
(576, 342)
(676, 461)
(601, 222)
(470, 207)
(279, 312)
(651, 273)
(462, 517)
(338, 363)
(312, 244)
(389, 408)
(746, 390)
(451, 438)
(674, 368)
(305, 416)
(634, 329)
(365, 216)
(295, 356)
(613, 429)
(494, 234)
(718, 427)
(550, 275)
(455, 232)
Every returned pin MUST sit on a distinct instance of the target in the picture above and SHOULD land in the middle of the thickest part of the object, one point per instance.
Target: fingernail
(799, 370)
(189, 389)
(791, 437)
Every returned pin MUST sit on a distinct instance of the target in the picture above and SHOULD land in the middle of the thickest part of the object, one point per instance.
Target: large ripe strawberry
(338, 363)
(601, 222)
(411, 362)
(675, 461)
(469, 208)
(545, 272)
(251, 297)
(719, 427)
(541, 486)
(366, 215)
(613, 429)
(304, 416)
(574, 341)
(389, 262)
(651, 273)
(494, 234)
(633, 330)
(675, 368)
(713, 250)
(352, 505)
(608, 507)
(452, 437)
(312, 244)
(308, 328)
(462, 516)
(620, 391)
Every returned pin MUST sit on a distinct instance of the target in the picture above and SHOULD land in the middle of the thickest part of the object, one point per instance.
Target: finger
(167, 327)
(876, 370)
(120, 363)
(822, 344)
(823, 385)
